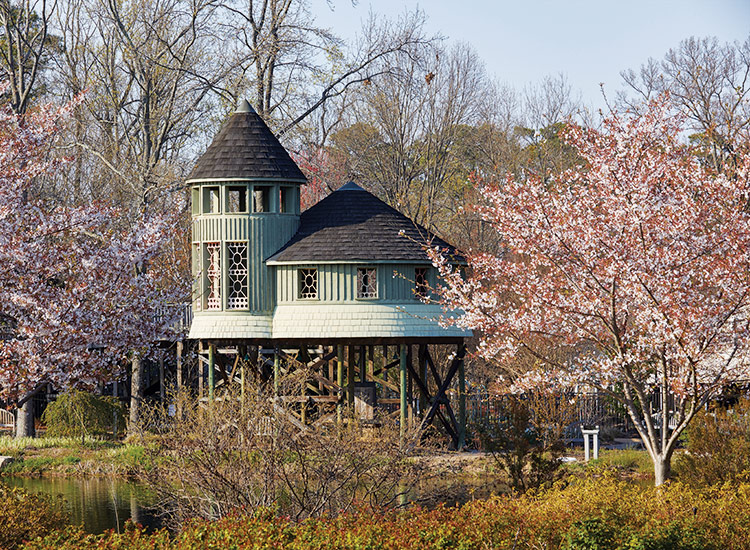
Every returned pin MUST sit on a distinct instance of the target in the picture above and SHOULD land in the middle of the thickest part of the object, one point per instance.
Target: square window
(286, 200)
(262, 198)
(421, 283)
(308, 283)
(211, 201)
(195, 200)
(367, 282)
(237, 198)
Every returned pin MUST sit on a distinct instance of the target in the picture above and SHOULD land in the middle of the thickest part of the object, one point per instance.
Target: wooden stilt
(179, 365)
(162, 389)
(211, 365)
(340, 381)
(423, 403)
(350, 378)
(276, 371)
(461, 402)
(410, 385)
(402, 387)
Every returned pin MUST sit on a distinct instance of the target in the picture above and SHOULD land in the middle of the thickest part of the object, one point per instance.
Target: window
(211, 201)
(286, 200)
(213, 275)
(195, 200)
(367, 282)
(421, 283)
(262, 198)
(308, 283)
(237, 198)
(237, 276)
(197, 277)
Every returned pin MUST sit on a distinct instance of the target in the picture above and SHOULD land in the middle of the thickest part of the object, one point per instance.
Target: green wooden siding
(337, 283)
(265, 233)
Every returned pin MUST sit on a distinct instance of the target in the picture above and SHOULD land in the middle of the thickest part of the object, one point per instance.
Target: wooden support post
(276, 371)
(370, 361)
(211, 366)
(350, 378)
(461, 403)
(340, 380)
(201, 371)
(362, 364)
(179, 366)
(402, 387)
(162, 389)
(410, 385)
(421, 357)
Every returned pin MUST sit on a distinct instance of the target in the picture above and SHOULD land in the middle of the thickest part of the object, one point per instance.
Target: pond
(95, 503)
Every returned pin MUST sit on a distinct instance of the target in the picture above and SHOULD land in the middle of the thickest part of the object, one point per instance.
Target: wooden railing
(7, 420)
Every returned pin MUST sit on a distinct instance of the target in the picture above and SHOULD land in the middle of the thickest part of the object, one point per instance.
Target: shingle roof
(351, 224)
(245, 148)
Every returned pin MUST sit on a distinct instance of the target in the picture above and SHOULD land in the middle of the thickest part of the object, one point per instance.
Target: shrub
(589, 513)
(528, 455)
(79, 413)
(718, 447)
(24, 516)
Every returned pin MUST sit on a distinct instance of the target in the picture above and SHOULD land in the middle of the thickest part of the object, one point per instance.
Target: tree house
(336, 290)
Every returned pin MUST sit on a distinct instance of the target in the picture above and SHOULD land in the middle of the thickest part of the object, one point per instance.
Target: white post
(587, 443)
(586, 450)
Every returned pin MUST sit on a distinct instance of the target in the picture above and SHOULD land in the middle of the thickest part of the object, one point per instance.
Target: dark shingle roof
(245, 148)
(354, 225)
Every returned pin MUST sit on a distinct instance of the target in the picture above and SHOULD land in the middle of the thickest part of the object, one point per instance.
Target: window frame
(360, 295)
(299, 281)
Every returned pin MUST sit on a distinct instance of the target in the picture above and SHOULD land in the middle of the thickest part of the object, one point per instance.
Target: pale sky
(590, 41)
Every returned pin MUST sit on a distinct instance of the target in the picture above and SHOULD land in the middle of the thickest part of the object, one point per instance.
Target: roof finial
(244, 107)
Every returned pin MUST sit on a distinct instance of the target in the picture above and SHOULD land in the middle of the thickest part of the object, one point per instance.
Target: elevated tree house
(335, 292)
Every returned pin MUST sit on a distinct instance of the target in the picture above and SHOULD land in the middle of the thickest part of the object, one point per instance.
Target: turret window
(195, 200)
(367, 282)
(308, 283)
(237, 295)
(262, 198)
(286, 200)
(237, 199)
(213, 276)
(211, 200)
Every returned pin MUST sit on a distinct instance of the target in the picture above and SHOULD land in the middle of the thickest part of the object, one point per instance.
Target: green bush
(25, 516)
(79, 413)
(529, 458)
(718, 447)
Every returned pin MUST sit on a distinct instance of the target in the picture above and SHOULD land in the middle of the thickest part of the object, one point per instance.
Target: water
(95, 503)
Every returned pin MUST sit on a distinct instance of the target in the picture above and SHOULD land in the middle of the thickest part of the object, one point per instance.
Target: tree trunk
(25, 419)
(662, 469)
(136, 393)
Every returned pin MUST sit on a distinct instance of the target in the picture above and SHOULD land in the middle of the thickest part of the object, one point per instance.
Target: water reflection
(97, 504)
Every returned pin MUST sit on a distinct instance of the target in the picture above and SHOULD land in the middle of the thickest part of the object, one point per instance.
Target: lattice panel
(421, 285)
(197, 277)
(213, 273)
(308, 283)
(367, 283)
(237, 295)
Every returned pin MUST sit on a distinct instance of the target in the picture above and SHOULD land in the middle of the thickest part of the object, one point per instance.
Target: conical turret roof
(245, 148)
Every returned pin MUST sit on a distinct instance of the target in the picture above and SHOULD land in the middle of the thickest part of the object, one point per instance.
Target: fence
(589, 408)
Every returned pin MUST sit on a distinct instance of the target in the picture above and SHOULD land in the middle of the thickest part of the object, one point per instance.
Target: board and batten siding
(337, 282)
(264, 233)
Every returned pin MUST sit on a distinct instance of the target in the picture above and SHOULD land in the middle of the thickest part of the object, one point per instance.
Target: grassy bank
(71, 456)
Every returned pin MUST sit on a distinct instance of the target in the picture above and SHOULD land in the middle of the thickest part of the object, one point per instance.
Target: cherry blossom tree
(75, 298)
(636, 264)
